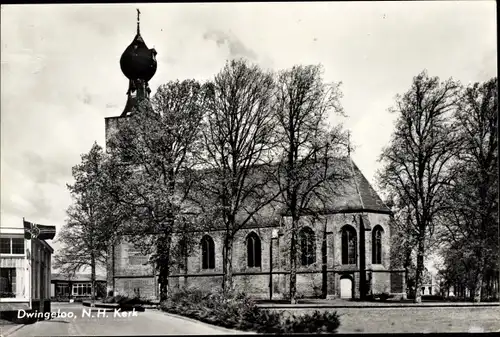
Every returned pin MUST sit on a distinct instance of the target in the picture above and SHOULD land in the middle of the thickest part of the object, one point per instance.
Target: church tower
(138, 64)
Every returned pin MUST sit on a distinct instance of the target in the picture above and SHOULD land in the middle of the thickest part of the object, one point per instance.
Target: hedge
(238, 311)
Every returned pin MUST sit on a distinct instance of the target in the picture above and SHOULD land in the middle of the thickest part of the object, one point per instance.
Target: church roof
(369, 199)
(347, 191)
(354, 193)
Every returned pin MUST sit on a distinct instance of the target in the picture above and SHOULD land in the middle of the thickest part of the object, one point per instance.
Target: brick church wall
(130, 262)
(144, 287)
(255, 281)
(381, 282)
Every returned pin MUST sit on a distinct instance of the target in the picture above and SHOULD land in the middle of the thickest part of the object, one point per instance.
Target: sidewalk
(340, 303)
(8, 328)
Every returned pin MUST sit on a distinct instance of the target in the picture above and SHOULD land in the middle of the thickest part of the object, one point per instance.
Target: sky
(60, 73)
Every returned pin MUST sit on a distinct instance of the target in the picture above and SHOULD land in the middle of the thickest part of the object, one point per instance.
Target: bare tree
(303, 102)
(418, 159)
(471, 220)
(237, 151)
(403, 244)
(153, 151)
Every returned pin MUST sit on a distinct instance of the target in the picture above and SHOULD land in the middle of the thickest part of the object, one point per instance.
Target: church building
(344, 248)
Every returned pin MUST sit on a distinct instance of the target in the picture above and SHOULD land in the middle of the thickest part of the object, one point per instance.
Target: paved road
(150, 322)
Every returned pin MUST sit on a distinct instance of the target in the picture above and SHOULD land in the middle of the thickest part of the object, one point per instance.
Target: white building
(25, 265)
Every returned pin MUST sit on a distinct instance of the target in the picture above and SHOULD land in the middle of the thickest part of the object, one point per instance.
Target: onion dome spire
(138, 64)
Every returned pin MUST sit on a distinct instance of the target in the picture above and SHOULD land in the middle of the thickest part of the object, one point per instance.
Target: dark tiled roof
(348, 192)
(369, 199)
(353, 194)
(76, 278)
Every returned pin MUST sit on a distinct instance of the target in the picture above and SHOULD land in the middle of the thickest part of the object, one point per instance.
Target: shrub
(432, 298)
(127, 300)
(238, 311)
(490, 299)
(80, 299)
(380, 296)
(316, 322)
(60, 299)
(110, 299)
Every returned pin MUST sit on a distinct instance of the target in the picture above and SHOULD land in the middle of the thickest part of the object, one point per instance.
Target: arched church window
(377, 245)
(349, 245)
(253, 250)
(183, 252)
(207, 252)
(307, 247)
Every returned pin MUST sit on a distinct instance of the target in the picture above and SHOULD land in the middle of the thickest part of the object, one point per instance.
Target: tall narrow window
(377, 245)
(253, 250)
(182, 252)
(307, 247)
(349, 245)
(207, 253)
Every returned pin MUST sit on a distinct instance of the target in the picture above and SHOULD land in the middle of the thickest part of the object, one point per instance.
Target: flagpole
(30, 271)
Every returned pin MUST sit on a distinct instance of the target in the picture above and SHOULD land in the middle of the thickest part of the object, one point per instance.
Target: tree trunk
(486, 293)
(164, 244)
(406, 266)
(496, 287)
(324, 262)
(419, 272)
(185, 255)
(228, 264)
(407, 278)
(293, 261)
(113, 284)
(92, 278)
(478, 285)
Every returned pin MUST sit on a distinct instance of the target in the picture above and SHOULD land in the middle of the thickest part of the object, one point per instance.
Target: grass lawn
(415, 320)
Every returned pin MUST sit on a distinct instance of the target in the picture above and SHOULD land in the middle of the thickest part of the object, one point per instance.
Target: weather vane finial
(138, 19)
